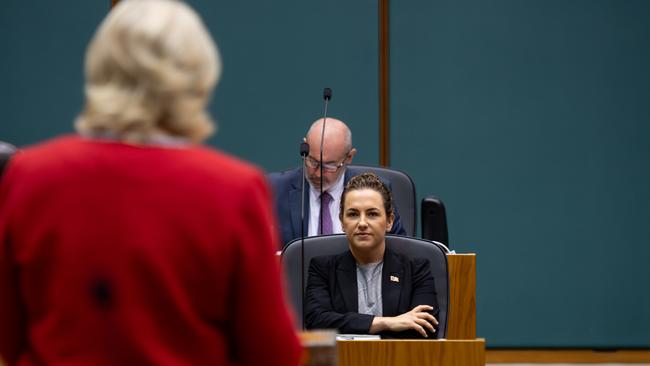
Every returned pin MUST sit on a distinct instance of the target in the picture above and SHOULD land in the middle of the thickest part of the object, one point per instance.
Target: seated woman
(370, 289)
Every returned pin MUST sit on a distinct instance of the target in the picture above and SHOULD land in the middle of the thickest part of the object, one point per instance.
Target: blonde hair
(150, 69)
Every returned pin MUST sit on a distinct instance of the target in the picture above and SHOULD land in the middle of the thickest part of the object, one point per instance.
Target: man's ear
(351, 155)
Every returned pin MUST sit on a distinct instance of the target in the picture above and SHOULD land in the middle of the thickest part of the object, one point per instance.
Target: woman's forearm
(379, 324)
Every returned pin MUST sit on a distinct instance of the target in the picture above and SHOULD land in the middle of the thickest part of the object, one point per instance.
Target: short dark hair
(368, 181)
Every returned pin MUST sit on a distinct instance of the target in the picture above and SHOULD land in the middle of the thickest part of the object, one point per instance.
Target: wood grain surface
(461, 321)
(412, 352)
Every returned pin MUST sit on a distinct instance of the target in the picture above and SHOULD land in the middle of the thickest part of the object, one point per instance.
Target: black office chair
(338, 243)
(403, 190)
(434, 220)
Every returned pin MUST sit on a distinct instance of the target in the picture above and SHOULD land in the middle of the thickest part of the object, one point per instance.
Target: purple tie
(327, 217)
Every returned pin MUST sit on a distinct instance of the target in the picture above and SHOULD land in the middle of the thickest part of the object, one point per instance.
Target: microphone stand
(304, 150)
(327, 95)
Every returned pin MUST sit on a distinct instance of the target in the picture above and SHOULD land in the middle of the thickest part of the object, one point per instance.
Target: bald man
(337, 154)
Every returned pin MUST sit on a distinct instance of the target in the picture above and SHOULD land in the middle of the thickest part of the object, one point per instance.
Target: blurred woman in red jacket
(129, 244)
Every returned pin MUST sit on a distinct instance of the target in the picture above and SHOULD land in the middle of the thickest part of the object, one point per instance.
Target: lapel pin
(394, 279)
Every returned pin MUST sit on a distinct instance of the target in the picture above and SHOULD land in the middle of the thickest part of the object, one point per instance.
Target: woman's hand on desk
(417, 319)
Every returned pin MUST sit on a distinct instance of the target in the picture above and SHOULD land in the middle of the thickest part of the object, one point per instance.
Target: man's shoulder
(284, 178)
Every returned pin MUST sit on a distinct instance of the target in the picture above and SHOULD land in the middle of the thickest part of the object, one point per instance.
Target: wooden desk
(412, 353)
(461, 318)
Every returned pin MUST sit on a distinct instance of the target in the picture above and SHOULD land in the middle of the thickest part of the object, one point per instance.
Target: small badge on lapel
(394, 279)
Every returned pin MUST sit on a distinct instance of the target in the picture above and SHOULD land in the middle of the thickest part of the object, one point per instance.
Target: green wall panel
(278, 56)
(530, 119)
(41, 65)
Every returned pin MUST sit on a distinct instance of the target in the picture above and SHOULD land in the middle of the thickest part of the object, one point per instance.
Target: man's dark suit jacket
(6, 151)
(286, 188)
(331, 299)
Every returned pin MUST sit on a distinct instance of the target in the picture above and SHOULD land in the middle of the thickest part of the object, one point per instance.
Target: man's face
(335, 157)
(364, 220)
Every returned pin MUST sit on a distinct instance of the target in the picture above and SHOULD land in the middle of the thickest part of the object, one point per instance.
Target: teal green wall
(529, 118)
(278, 57)
(41, 75)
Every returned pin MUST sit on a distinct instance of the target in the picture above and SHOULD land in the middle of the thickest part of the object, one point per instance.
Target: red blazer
(114, 254)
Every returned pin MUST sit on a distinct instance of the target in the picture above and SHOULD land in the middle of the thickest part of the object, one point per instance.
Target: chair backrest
(434, 220)
(403, 190)
(296, 272)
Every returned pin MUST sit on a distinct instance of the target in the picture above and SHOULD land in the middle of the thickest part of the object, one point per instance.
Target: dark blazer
(286, 188)
(331, 299)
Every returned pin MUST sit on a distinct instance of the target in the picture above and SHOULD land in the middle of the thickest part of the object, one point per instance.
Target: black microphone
(327, 95)
(304, 149)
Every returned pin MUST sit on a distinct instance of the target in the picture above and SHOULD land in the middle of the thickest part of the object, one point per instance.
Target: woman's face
(364, 220)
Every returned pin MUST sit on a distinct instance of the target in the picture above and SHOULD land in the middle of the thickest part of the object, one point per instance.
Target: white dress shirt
(314, 207)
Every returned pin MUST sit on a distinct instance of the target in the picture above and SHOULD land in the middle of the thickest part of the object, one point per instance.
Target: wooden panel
(319, 348)
(412, 352)
(567, 356)
(461, 321)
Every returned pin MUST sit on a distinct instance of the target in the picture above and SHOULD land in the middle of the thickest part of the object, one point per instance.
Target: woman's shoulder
(332, 261)
(327, 259)
(408, 261)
